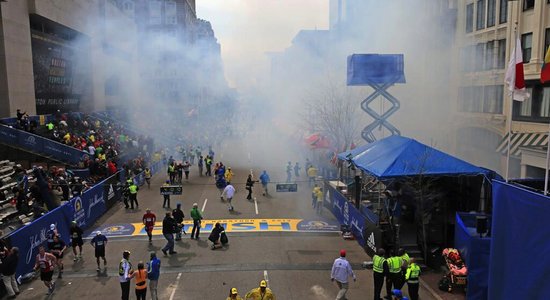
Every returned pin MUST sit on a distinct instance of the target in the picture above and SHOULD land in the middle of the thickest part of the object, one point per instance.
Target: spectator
(153, 273)
(9, 266)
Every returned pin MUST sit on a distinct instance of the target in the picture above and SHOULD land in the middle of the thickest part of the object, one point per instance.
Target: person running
(153, 274)
(185, 167)
(229, 192)
(178, 215)
(99, 242)
(234, 295)
(166, 202)
(168, 228)
(45, 262)
(249, 186)
(76, 240)
(57, 250)
(341, 271)
(148, 177)
(149, 219)
(141, 281)
(260, 293)
(124, 274)
(264, 179)
(197, 217)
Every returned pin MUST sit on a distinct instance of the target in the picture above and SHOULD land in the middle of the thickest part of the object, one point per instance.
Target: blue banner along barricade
(37, 144)
(346, 213)
(86, 209)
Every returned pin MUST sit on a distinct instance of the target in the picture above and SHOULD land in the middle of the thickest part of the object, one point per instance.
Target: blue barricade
(346, 214)
(41, 145)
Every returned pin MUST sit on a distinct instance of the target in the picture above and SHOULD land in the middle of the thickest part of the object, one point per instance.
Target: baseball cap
(343, 253)
(263, 283)
(234, 291)
(195, 205)
(52, 226)
(98, 232)
(397, 293)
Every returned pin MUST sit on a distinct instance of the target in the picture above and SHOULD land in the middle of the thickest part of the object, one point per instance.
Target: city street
(295, 264)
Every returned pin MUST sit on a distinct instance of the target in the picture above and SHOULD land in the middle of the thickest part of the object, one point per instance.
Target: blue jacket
(153, 269)
(264, 178)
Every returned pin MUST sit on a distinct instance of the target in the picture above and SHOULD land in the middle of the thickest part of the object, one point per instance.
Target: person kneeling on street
(217, 237)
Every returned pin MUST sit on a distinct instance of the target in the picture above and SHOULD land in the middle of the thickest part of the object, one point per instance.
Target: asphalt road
(296, 264)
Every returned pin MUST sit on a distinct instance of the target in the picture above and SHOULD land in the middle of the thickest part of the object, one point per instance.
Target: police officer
(405, 260)
(413, 272)
(133, 189)
(166, 202)
(394, 275)
(380, 270)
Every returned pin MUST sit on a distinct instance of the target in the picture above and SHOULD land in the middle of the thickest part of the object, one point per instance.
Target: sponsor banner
(9, 135)
(287, 187)
(30, 237)
(30, 141)
(346, 213)
(89, 207)
(373, 238)
(112, 190)
(171, 190)
(232, 225)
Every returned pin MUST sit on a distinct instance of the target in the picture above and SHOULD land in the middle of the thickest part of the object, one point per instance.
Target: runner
(98, 242)
(149, 220)
(58, 247)
(76, 240)
(45, 262)
(229, 192)
(148, 177)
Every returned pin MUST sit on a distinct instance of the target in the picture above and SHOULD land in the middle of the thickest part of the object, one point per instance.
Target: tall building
(485, 36)
(64, 55)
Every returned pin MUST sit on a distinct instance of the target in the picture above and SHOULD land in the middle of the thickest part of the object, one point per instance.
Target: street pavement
(296, 264)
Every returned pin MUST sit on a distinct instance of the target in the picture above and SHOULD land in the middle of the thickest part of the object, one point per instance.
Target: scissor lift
(380, 72)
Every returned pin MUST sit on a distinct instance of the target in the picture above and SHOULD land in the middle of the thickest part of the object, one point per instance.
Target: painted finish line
(231, 225)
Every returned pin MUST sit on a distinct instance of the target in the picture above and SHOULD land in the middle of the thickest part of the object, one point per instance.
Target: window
(501, 57)
(480, 16)
(170, 12)
(526, 106)
(480, 51)
(493, 99)
(155, 14)
(491, 12)
(128, 6)
(489, 55)
(526, 44)
(470, 17)
(528, 4)
(503, 16)
(545, 103)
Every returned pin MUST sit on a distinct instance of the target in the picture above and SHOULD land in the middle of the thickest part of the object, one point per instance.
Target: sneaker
(98, 269)
(164, 252)
(173, 252)
(60, 276)
(53, 286)
(75, 258)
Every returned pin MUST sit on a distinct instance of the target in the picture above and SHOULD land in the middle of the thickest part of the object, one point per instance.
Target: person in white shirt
(341, 271)
(125, 274)
(229, 192)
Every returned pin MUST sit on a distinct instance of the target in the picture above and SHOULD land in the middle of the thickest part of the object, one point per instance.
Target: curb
(432, 291)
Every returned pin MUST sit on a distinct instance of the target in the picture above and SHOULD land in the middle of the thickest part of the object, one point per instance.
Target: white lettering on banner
(36, 240)
(111, 193)
(98, 198)
(346, 212)
(327, 196)
(30, 140)
(371, 243)
(355, 223)
(79, 213)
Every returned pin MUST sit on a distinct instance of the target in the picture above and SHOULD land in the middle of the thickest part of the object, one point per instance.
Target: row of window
(155, 12)
(484, 56)
(536, 107)
(486, 13)
(482, 99)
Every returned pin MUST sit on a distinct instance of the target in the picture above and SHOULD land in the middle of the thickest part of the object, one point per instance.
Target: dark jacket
(178, 215)
(215, 234)
(168, 225)
(9, 265)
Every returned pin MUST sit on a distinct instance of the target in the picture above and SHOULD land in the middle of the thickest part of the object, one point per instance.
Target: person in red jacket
(149, 220)
(112, 167)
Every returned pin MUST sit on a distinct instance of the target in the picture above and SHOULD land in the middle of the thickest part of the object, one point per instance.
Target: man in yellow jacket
(234, 295)
(228, 175)
(260, 293)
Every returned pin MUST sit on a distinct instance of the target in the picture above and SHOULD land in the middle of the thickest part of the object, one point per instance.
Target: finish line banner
(233, 225)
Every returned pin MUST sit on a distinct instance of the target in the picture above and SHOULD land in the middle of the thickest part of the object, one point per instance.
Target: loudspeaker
(481, 225)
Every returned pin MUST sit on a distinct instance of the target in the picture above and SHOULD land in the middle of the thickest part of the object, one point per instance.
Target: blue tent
(353, 152)
(397, 156)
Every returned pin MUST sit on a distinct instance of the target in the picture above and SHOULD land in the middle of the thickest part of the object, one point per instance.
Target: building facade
(485, 36)
(64, 54)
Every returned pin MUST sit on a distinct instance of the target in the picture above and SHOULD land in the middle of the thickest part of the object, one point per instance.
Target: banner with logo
(29, 237)
(112, 190)
(346, 213)
(88, 207)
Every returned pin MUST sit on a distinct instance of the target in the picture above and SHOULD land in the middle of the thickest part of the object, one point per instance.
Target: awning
(522, 139)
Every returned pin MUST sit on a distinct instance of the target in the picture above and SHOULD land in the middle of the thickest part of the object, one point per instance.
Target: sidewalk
(430, 281)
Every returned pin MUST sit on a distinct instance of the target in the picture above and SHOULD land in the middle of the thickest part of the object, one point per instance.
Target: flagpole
(547, 159)
(511, 107)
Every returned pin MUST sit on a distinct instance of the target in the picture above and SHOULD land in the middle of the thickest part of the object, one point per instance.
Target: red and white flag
(514, 75)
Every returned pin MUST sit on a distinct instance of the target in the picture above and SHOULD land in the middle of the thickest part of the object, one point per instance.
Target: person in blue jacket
(264, 180)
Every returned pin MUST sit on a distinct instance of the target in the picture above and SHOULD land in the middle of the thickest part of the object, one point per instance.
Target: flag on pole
(514, 75)
(545, 70)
